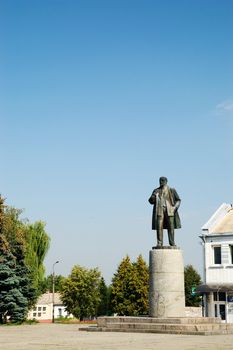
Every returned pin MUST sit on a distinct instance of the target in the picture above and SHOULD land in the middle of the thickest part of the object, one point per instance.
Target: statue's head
(162, 180)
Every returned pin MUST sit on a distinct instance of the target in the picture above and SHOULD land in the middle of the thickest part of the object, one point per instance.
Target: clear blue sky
(99, 99)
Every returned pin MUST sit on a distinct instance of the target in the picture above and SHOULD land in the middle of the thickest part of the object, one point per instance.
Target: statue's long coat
(173, 198)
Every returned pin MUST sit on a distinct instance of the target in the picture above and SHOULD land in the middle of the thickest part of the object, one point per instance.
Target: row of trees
(23, 247)
(85, 294)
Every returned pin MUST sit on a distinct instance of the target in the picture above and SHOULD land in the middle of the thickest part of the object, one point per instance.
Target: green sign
(193, 291)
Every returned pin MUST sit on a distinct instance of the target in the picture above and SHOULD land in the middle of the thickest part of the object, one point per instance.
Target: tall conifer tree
(13, 304)
(104, 299)
(129, 289)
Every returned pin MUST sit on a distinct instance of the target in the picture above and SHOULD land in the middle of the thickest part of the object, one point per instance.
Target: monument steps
(170, 326)
(139, 330)
(175, 320)
(188, 326)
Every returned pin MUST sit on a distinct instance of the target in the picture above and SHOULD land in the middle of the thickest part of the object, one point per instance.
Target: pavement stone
(68, 337)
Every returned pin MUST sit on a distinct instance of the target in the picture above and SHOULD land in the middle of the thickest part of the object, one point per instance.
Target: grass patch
(9, 324)
(66, 320)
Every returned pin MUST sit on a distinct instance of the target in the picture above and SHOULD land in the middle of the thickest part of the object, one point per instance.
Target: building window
(220, 310)
(219, 296)
(44, 308)
(34, 314)
(217, 255)
(215, 310)
(231, 254)
(39, 314)
(60, 312)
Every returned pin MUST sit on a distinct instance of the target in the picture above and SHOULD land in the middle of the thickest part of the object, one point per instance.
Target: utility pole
(53, 281)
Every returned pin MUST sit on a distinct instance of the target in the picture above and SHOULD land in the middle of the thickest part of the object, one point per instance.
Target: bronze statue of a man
(165, 212)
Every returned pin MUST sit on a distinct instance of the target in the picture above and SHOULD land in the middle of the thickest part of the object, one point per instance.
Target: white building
(217, 238)
(43, 310)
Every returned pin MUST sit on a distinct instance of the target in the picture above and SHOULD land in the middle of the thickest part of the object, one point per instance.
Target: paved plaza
(68, 337)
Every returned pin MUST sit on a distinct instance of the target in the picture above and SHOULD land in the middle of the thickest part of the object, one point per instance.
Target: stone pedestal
(166, 294)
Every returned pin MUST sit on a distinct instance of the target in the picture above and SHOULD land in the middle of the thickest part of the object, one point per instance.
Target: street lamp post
(53, 283)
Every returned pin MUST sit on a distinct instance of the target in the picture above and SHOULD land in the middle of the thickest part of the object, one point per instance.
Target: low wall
(191, 311)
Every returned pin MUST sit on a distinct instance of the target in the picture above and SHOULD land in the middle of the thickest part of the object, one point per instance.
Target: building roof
(215, 287)
(221, 221)
(47, 298)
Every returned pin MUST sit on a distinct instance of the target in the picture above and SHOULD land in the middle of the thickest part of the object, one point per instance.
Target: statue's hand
(151, 200)
(176, 206)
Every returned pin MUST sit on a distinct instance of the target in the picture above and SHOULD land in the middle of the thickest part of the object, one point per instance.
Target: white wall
(41, 312)
(219, 273)
(44, 312)
(59, 311)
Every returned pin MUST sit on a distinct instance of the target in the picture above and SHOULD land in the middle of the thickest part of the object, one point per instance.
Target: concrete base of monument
(166, 289)
(172, 325)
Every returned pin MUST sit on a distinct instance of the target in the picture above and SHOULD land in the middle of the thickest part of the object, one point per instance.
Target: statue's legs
(171, 231)
(160, 219)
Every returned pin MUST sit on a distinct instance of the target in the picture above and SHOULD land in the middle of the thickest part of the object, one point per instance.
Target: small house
(43, 310)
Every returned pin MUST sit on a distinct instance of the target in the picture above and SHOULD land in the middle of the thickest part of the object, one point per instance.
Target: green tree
(36, 248)
(81, 292)
(192, 279)
(14, 231)
(47, 284)
(129, 289)
(120, 288)
(27, 242)
(141, 286)
(13, 304)
(1, 213)
(103, 307)
(18, 236)
(26, 284)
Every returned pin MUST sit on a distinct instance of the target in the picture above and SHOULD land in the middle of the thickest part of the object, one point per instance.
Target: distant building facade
(43, 310)
(217, 289)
